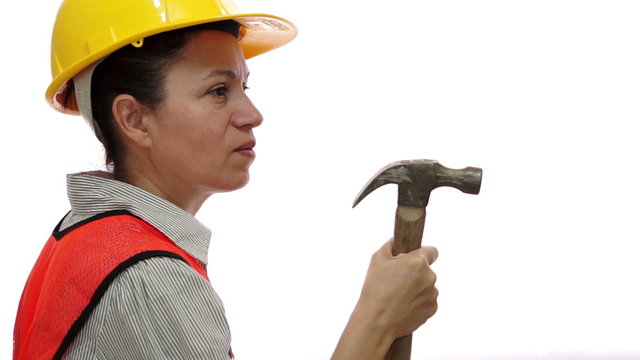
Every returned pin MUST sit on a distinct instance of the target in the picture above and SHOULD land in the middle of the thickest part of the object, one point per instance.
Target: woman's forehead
(215, 51)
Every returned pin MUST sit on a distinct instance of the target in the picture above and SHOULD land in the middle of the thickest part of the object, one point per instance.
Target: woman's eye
(218, 91)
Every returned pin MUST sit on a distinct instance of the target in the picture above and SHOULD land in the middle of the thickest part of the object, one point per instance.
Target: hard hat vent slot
(138, 43)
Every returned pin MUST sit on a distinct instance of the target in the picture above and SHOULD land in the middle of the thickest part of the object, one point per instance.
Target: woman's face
(202, 137)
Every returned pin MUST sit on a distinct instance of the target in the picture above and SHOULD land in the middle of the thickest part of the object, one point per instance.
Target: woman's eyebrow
(224, 73)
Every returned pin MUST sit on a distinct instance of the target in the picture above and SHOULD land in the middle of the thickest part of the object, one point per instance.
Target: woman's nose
(247, 115)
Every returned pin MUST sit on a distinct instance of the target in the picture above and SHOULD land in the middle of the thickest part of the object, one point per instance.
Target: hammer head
(416, 179)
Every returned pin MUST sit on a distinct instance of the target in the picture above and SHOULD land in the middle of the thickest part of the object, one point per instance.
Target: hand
(399, 291)
(398, 296)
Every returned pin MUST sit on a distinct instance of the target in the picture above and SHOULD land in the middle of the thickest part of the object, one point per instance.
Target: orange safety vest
(74, 270)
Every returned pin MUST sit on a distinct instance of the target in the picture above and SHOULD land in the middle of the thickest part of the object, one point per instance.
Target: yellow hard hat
(87, 31)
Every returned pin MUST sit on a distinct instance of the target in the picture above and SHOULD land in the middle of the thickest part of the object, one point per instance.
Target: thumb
(428, 252)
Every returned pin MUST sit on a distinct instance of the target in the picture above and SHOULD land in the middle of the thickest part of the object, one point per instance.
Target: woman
(124, 274)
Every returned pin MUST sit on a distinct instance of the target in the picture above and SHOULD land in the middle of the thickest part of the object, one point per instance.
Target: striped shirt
(159, 308)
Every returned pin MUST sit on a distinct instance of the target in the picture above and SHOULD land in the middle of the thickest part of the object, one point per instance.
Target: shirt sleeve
(159, 308)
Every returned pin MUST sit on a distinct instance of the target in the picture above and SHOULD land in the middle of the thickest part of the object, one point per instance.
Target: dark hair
(139, 72)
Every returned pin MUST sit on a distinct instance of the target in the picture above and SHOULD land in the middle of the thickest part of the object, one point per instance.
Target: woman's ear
(129, 115)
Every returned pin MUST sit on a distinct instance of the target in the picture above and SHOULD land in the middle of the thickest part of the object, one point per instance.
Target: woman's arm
(398, 296)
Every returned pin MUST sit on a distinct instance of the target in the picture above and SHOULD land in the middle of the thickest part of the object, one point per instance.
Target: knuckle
(432, 278)
(435, 295)
(417, 262)
(433, 298)
(433, 309)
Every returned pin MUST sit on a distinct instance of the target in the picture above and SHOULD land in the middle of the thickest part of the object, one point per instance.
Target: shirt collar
(93, 193)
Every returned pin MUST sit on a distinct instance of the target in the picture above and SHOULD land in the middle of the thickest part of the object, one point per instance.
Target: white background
(544, 95)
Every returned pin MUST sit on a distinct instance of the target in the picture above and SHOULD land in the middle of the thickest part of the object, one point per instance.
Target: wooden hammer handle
(407, 236)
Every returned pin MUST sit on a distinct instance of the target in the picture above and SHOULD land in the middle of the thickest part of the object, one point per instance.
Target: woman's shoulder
(156, 301)
(158, 277)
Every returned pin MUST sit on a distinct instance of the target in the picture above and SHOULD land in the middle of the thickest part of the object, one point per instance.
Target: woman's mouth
(247, 149)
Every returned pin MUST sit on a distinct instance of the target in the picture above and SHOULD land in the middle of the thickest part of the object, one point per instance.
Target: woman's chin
(235, 184)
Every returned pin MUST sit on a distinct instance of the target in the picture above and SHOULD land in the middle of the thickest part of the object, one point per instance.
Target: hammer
(416, 179)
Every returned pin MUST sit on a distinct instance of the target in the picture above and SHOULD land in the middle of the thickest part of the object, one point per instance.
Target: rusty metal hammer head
(416, 179)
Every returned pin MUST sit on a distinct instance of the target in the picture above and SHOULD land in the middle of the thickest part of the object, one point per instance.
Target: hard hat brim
(259, 33)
